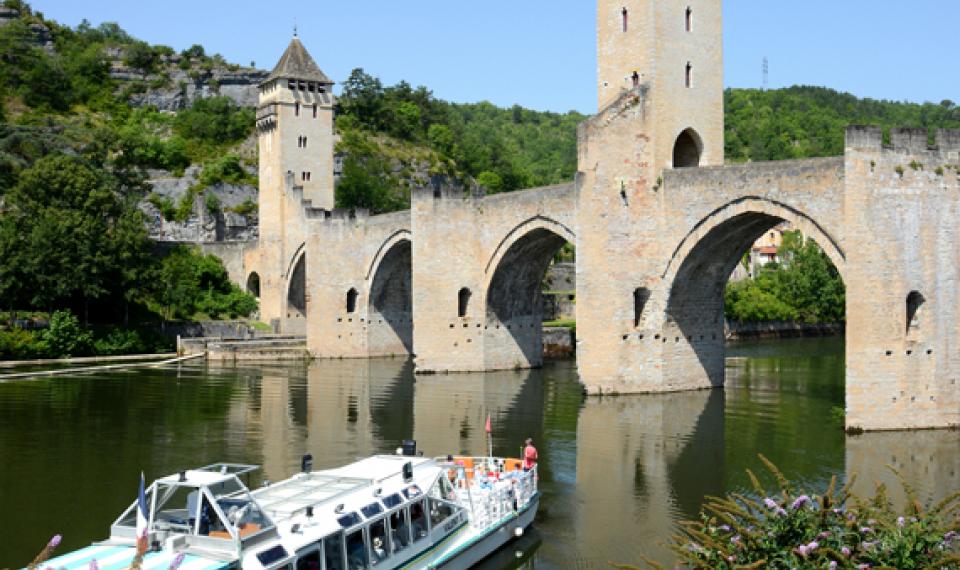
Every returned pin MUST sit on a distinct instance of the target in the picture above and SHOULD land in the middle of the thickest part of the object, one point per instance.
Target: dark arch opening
(915, 301)
(514, 328)
(297, 290)
(253, 284)
(390, 316)
(352, 300)
(688, 23)
(687, 149)
(463, 302)
(694, 320)
(640, 297)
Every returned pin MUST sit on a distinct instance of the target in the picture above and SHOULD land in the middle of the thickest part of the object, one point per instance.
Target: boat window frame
(421, 500)
(404, 511)
(364, 539)
(386, 534)
(341, 537)
(315, 547)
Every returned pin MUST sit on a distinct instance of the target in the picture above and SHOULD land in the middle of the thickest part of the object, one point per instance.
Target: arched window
(688, 76)
(296, 109)
(463, 302)
(640, 297)
(689, 19)
(253, 284)
(314, 110)
(636, 79)
(352, 300)
(915, 301)
(687, 149)
(626, 19)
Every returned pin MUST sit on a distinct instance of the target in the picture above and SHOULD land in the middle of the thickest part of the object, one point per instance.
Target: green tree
(140, 56)
(215, 120)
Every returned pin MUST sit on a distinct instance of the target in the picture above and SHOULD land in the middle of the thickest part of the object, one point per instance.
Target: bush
(19, 344)
(119, 341)
(224, 169)
(215, 120)
(65, 337)
(835, 530)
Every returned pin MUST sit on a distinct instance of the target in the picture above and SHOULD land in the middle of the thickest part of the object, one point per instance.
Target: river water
(617, 474)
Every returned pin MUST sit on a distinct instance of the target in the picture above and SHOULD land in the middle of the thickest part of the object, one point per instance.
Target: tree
(139, 55)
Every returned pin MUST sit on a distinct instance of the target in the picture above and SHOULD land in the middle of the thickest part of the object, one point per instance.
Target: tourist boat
(386, 511)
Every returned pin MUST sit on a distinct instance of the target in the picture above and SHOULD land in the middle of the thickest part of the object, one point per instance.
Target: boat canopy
(207, 508)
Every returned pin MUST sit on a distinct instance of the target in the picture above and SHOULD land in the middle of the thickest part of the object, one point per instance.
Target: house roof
(296, 63)
(768, 250)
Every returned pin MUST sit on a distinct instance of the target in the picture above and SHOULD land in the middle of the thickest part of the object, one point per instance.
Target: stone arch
(253, 284)
(390, 299)
(691, 327)
(513, 328)
(688, 147)
(297, 294)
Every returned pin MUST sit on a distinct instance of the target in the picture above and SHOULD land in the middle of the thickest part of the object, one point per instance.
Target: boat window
(392, 500)
(357, 551)
(309, 560)
(439, 512)
(333, 552)
(399, 530)
(379, 547)
(412, 492)
(349, 520)
(418, 521)
(271, 555)
(371, 510)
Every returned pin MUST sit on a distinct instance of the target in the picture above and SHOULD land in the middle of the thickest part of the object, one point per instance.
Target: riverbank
(734, 330)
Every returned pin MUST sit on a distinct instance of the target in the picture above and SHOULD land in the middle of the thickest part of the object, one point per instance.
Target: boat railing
(493, 488)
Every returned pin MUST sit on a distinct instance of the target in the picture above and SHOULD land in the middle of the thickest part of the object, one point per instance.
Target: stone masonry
(658, 222)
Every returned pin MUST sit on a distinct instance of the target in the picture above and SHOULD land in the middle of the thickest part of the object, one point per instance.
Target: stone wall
(904, 203)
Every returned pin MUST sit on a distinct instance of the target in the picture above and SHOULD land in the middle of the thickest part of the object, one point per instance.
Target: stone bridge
(658, 221)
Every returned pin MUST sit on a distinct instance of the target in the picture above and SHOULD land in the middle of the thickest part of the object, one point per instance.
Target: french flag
(143, 514)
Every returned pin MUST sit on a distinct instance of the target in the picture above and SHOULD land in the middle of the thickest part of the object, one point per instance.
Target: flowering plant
(832, 530)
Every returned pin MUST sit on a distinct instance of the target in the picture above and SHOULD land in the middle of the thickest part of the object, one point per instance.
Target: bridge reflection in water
(616, 473)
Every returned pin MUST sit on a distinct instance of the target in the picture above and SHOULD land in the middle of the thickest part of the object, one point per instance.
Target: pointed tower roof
(296, 63)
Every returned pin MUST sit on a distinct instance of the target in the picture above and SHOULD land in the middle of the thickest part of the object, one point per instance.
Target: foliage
(215, 120)
(191, 282)
(227, 168)
(65, 337)
(806, 289)
(789, 529)
(367, 180)
(803, 121)
(246, 208)
(20, 344)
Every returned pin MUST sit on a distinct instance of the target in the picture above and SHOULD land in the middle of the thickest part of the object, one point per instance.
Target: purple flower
(770, 503)
(177, 561)
(833, 565)
(866, 529)
(94, 565)
(781, 512)
(801, 501)
(813, 546)
(900, 522)
(845, 551)
(824, 534)
(55, 541)
(863, 567)
(725, 528)
(735, 539)
(803, 550)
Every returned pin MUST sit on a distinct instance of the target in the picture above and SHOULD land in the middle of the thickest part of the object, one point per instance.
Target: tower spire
(294, 27)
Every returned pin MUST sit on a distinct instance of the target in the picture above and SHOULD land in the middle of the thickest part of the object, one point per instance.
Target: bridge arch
(513, 323)
(390, 298)
(296, 310)
(691, 326)
(687, 148)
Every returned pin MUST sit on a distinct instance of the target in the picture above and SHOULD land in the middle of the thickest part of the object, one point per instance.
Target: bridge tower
(672, 54)
(295, 127)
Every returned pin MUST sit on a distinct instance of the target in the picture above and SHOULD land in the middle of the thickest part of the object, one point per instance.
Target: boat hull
(465, 556)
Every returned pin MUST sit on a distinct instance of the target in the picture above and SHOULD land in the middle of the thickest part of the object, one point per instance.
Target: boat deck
(281, 500)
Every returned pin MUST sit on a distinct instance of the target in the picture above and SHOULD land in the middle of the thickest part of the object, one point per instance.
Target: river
(617, 474)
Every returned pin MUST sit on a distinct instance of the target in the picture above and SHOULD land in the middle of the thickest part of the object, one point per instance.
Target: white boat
(383, 512)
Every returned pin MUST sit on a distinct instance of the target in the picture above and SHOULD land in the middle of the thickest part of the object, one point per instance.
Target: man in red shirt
(529, 455)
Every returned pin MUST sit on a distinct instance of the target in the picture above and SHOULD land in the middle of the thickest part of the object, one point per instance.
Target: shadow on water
(617, 474)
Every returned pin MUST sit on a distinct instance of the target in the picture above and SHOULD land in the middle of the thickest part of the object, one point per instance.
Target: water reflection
(616, 474)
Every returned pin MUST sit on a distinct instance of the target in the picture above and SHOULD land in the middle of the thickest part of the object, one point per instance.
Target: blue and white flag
(143, 513)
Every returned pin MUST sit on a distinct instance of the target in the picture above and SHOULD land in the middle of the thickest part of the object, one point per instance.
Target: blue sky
(541, 53)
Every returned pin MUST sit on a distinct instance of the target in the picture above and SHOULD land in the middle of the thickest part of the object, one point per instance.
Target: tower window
(689, 19)
(296, 109)
(636, 79)
(688, 76)
(314, 110)
(640, 297)
(626, 19)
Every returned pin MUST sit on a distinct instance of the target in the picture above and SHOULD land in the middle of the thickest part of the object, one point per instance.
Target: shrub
(119, 341)
(835, 530)
(19, 344)
(65, 337)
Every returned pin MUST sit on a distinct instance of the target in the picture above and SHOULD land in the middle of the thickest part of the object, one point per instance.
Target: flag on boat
(143, 514)
(488, 424)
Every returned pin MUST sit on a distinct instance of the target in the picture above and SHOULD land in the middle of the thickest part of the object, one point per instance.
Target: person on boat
(529, 455)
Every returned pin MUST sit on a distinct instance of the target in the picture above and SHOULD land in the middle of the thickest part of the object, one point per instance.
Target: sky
(541, 54)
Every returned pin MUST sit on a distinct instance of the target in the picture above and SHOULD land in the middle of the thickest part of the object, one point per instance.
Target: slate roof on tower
(296, 63)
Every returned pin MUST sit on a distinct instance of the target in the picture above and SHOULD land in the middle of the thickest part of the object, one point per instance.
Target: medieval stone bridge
(658, 221)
